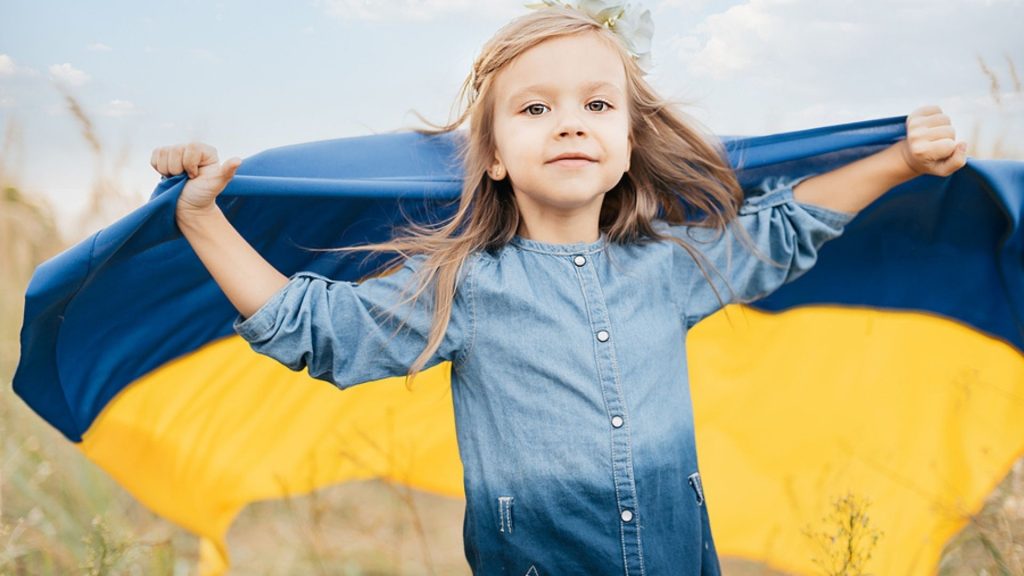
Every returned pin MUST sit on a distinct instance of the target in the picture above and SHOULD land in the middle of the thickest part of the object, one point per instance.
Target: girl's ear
(497, 171)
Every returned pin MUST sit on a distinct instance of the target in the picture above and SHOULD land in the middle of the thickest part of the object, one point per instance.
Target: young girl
(561, 292)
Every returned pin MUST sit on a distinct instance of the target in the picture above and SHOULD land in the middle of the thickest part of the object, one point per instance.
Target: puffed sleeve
(339, 329)
(787, 231)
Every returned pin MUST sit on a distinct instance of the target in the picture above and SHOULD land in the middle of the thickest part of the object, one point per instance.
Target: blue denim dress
(569, 381)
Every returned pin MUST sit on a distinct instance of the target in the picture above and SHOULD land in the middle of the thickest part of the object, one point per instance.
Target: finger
(162, 161)
(926, 120)
(174, 160)
(230, 167)
(934, 120)
(208, 154)
(940, 133)
(926, 110)
(954, 162)
(941, 150)
(960, 153)
(152, 159)
(190, 160)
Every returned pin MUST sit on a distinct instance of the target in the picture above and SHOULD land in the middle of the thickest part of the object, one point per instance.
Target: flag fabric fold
(893, 370)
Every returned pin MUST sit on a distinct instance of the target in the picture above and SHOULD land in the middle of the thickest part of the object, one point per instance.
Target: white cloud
(412, 9)
(7, 101)
(801, 60)
(6, 65)
(117, 108)
(763, 35)
(689, 7)
(68, 74)
(808, 41)
(99, 47)
(9, 68)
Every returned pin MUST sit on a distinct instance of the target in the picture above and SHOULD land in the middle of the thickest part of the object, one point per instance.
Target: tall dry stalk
(999, 148)
(28, 235)
(52, 492)
(109, 199)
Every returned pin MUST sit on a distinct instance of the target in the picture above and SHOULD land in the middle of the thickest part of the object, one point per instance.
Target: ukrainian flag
(893, 371)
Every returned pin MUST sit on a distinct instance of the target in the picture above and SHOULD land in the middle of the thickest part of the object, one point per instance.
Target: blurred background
(88, 90)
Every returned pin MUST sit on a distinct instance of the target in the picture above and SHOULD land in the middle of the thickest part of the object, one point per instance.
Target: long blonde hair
(674, 167)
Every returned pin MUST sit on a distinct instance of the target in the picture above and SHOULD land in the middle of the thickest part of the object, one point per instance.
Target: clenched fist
(931, 146)
(207, 177)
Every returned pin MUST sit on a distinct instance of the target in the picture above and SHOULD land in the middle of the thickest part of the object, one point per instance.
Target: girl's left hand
(931, 146)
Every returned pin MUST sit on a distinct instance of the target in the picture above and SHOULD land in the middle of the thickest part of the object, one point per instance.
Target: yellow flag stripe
(919, 415)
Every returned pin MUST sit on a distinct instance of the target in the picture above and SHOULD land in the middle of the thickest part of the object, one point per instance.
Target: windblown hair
(674, 169)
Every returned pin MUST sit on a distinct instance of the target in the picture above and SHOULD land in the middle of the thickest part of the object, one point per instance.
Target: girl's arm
(793, 219)
(339, 331)
(787, 231)
(243, 275)
(929, 148)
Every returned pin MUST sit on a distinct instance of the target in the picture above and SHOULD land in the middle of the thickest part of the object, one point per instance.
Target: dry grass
(60, 514)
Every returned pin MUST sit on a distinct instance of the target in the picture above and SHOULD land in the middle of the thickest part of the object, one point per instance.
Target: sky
(248, 76)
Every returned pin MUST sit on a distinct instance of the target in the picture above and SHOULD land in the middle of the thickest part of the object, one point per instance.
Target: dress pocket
(698, 488)
(505, 514)
(514, 548)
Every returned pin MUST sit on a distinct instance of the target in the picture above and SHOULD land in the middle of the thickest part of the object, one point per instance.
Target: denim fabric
(569, 381)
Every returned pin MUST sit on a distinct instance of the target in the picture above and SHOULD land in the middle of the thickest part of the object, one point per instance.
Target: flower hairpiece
(633, 26)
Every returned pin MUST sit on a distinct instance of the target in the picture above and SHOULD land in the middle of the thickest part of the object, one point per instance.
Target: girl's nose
(571, 125)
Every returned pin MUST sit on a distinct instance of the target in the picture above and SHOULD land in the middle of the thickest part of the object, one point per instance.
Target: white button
(579, 260)
(602, 335)
(616, 421)
(627, 515)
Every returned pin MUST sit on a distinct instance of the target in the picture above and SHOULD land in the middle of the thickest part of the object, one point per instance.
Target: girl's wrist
(185, 213)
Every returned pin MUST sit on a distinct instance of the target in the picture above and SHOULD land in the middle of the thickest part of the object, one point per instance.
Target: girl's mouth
(571, 162)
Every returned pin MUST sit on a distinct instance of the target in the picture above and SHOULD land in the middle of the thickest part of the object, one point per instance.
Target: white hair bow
(633, 25)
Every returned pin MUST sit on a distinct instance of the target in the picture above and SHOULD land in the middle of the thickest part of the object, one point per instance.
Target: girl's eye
(534, 106)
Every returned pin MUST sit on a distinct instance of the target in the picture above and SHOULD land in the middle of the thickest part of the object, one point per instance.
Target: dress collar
(555, 248)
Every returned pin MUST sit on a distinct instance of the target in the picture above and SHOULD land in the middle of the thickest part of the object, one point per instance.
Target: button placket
(607, 372)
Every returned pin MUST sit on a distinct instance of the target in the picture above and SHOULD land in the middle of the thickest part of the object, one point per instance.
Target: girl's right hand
(207, 177)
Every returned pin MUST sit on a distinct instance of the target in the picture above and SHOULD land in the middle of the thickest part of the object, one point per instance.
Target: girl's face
(564, 95)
